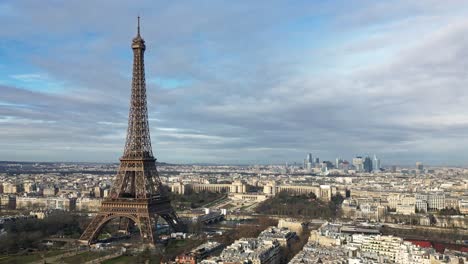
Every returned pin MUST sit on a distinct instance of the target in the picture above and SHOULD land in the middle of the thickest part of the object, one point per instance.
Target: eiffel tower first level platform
(136, 197)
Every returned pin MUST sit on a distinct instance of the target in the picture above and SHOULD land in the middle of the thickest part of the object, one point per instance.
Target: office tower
(327, 163)
(376, 163)
(137, 196)
(367, 164)
(419, 166)
(338, 162)
(358, 163)
(345, 165)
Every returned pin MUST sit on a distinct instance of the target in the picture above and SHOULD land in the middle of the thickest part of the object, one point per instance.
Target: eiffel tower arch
(136, 196)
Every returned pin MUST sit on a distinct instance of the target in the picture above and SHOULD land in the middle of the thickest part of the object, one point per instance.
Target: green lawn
(174, 244)
(222, 199)
(133, 259)
(176, 247)
(121, 260)
(195, 200)
(83, 257)
(19, 259)
(228, 206)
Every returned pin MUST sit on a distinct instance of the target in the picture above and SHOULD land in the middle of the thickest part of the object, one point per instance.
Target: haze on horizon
(237, 82)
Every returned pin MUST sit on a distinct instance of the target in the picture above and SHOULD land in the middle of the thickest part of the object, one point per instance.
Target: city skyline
(333, 79)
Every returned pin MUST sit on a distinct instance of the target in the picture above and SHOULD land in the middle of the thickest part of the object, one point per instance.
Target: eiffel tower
(137, 196)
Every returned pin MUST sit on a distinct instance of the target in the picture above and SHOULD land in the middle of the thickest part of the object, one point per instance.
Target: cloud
(28, 77)
(238, 82)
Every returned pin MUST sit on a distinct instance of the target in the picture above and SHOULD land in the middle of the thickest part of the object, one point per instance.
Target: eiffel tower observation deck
(137, 198)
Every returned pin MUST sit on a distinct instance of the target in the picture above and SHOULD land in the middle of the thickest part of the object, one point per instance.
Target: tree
(28, 233)
(301, 205)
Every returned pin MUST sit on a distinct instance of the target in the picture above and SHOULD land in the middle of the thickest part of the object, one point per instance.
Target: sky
(237, 82)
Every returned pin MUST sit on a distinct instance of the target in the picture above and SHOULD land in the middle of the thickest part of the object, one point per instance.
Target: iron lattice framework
(137, 196)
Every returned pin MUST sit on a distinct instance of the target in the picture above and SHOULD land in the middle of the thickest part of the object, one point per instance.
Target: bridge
(210, 218)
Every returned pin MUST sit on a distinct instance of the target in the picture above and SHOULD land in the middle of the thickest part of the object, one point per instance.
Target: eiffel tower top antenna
(138, 26)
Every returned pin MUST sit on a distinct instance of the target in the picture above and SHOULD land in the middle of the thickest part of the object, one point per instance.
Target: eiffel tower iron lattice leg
(137, 193)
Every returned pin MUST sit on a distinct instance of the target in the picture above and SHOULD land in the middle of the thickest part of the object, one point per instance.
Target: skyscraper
(358, 163)
(338, 162)
(308, 162)
(419, 166)
(376, 163)
(367, 164)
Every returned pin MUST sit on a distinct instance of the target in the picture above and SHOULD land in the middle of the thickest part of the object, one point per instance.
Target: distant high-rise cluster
(367, 164)
(359, 164)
